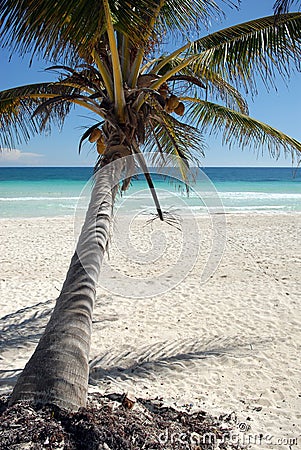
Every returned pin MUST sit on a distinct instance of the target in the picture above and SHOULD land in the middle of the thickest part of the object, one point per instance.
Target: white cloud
(15, 155)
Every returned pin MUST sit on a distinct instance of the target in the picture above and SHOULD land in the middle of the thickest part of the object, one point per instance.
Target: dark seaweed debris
(107, 425)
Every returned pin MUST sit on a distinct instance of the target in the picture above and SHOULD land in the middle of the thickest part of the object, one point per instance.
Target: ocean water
(61, 191)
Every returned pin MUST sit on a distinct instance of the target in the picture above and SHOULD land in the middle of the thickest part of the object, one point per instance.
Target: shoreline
(267, 213)
(229, 344)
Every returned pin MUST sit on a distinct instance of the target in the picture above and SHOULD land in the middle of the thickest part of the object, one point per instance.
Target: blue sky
(279, 109)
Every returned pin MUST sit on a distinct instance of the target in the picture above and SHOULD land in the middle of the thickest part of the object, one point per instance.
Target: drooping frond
(210, 85)
(149, 180)
(25, 110)
(57, 106)
(16, 123)
(259, 48)
(174, 142)
(219, 89)
(84, 77)
(241, 130)
(17, 106)
(282, 6)
(87, 133)
(169, 217)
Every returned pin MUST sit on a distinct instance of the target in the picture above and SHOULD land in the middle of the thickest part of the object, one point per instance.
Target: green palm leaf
(259, 48)
(282, 6)
(219, 89)
(55, 29)
(211, 84)
(172, 138)
(67, 28)
(242, 130)
(189, 83)
(26, 110)
(186, 15)
(85, 77)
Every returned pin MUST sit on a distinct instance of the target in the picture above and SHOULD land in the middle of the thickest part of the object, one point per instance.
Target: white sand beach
(228, 345)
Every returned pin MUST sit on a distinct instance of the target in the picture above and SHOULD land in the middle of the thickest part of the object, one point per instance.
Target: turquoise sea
(55, 191)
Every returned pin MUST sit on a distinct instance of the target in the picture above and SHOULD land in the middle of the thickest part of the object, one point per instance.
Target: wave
(164, 194)
(218, 208)
(29, 199)
(259, 195)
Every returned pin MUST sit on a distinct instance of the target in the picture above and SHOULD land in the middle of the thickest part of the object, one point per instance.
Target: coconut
(95, 135)
(101, 146)
(180, 109)
(173, 102)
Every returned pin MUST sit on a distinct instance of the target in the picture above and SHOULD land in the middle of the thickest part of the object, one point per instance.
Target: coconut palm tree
(109, 59)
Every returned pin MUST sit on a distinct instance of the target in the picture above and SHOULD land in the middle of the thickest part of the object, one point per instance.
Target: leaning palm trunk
(57, 373)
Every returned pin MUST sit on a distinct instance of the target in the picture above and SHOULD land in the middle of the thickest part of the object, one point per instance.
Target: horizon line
(200, 167)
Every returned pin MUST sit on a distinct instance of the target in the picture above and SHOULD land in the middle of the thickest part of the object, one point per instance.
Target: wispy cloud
(16, 156)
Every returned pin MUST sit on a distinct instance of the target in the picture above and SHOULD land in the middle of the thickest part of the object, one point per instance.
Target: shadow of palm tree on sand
(25, 326)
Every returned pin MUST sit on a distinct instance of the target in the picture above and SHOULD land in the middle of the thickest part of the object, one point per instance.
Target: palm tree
(109, 59)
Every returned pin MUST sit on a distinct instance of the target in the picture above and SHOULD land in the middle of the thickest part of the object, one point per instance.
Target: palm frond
(217, 88)
(184, 16)
(165, 62)
(25, 110)
(67, 30)
(282, 6)
(105, 74)
(242, 130)
(189, 78)
(117, 72)
(16, 124)
(87, 133)
(84, 76)
(55, 30)
(148, 178)
(172, 141)
(211, 85)
(59, 106)
(259, 48)
(17, 106)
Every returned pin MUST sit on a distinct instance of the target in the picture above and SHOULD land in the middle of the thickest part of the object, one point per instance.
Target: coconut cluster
(98, 137)
(172, 102)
